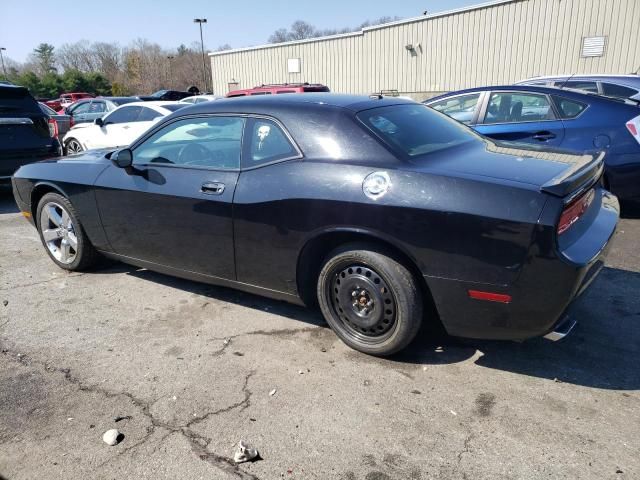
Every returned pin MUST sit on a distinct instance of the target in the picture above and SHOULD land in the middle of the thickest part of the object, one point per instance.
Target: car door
(173, 207)
(147, 117)
(114, 130)
(519, 116)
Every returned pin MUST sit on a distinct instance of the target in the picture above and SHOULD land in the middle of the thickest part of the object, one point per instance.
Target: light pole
(200, 21)
(170, 57)
(4, 69)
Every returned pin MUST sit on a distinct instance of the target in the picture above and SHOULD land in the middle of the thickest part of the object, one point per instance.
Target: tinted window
(14, 99)
(148, 114)
(286, 91)
(579, 85)
(261, 93)
(268, 143)
(213, 142)
(518, 107)
(618, 91)
(461, 108)
(568, 108)
(47, 110)
(316, 89)
(415, 129)
(123, 115)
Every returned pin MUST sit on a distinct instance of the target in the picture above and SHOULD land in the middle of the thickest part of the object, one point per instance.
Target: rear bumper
(541, 297)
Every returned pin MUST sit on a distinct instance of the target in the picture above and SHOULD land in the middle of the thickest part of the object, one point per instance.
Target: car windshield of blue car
(415, 129)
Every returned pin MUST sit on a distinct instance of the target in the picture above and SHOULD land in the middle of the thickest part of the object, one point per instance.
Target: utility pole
(200, 21)
(170, 57)
(4, 69)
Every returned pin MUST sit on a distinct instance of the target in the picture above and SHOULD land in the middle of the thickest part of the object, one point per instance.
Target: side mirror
(123, 158)
(98, 121)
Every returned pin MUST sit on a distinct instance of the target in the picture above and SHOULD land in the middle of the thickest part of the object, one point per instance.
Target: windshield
(159, 93)
(415, 129)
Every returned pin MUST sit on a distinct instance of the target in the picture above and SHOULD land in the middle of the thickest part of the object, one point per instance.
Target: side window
(460, 108)
(211, 142)
(261, 93)
(568, 109)
(618, 91)
(286, 91)
(514, 107)
(80, 109)
(148, 115)
(97, 107)
(579, 85)
(267, 143)
(123, 115)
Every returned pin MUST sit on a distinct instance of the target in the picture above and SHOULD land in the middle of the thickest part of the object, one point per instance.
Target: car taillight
(53, 128)
(633, 126)
(574, 210)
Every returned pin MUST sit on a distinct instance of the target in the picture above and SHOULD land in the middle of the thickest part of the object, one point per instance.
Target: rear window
(618, 91)
(316, 89)
(415, 129)
(568, 109)
(17, 100)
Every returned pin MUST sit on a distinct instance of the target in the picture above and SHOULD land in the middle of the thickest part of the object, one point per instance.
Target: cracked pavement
(191, 367)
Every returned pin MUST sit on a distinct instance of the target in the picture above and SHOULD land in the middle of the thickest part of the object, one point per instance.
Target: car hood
(538, 167)
(90, 156)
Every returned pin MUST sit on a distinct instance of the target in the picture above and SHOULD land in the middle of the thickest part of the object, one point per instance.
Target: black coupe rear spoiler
(578, 178)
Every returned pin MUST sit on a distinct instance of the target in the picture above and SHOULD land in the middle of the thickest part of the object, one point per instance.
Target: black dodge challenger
(372, 207)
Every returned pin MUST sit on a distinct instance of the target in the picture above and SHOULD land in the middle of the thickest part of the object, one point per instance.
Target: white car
(119, 127)
(200, 99)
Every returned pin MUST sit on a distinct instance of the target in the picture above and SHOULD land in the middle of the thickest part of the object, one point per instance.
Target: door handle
(212, 188)
(544, 136)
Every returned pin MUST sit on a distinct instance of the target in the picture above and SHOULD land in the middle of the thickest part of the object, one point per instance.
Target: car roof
(157, 103)
(271, 103)
(518, 88)
(631, 80)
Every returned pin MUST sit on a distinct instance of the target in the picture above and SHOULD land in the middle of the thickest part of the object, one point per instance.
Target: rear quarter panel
(451, 228)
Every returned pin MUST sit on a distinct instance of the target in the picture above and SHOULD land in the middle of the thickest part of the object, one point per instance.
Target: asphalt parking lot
(190, 367)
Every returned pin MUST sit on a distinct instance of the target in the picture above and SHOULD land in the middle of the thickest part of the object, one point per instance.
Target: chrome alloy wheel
(74, 147)
(364, 303)
(58, 233)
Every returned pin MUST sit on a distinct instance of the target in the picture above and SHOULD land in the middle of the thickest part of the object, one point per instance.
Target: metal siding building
(493, 43)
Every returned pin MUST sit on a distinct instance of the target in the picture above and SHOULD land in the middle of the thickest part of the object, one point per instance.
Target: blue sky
(26, 23)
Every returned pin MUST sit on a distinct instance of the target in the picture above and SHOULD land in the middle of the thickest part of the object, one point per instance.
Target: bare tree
(279, 36)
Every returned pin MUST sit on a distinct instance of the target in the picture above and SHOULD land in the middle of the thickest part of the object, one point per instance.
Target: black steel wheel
(369, 299)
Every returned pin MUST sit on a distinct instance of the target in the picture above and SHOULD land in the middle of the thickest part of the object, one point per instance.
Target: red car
(275, 88)
(67, 99)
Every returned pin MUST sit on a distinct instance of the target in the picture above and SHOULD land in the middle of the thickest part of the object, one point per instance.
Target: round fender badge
(376, 184)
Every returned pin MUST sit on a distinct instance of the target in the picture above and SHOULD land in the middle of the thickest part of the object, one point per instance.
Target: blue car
(556, 118)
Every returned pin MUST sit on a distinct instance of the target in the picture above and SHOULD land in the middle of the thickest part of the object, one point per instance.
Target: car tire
(370, 299)
(62, 234)
(72, 147)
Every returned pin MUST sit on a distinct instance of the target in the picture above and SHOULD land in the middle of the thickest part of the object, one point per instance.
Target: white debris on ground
(272, 392)
(244, 453)
(110, 437)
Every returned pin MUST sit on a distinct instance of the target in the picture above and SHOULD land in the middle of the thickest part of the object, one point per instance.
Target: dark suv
(275, 88)
(27, 134)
